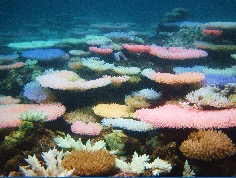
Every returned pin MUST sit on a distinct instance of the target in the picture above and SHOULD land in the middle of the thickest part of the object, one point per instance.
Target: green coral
(188, 172)
(25, 126)
(116, 141)
(28, 120)
(153, 142)
(233, 56)
(14, 80)
(33, 116)
(14, 137)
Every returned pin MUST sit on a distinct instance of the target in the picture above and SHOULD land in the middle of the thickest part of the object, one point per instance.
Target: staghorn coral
(69, 142)
(53, 160)
(140, 163)
(188, 172)
(207, 145)
(90, 163)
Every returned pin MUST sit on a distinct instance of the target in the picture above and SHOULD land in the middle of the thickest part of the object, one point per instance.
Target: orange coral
(208, 145)
(11, 66)
(90, 163)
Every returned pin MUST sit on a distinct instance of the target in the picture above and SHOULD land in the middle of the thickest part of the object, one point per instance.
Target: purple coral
(35, 92)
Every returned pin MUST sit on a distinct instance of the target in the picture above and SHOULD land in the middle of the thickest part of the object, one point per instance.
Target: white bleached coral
(140, 163)
(147, 93)
(69, 142)
(68, 80)
(159, 166)
(148, 73)
(94, 63)
(128, 124)
(137, 165)
(209, 96)
(54, 168)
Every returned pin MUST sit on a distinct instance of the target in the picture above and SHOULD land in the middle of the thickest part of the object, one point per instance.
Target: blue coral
(218, 80)
(44, 54)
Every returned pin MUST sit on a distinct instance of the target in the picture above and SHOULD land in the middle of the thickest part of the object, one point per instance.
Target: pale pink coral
(137, 48)
(82, 128)
(10, 114)
(172, 116)
(176, 53)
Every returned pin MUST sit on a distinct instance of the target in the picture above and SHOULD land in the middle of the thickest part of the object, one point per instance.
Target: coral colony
(117, 99)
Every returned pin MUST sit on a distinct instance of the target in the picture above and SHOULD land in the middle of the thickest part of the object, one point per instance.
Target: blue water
(15, 13)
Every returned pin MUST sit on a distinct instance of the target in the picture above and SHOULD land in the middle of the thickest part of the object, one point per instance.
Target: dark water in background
(14, 13)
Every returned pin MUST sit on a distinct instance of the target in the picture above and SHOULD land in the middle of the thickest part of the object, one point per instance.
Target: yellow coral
(113, 110)
(76, 65)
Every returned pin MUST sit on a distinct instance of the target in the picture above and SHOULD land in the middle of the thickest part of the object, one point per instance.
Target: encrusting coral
(207, 145)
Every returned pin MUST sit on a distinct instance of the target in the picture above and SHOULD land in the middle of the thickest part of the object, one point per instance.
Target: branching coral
(69, 142)
(208, 145)
(209, 96)
(54, 168)
(90, 163)
(140, 163)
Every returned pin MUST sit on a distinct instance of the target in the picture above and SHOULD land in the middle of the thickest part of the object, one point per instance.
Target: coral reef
(53, 159)
(90, 163)
(208, 145)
